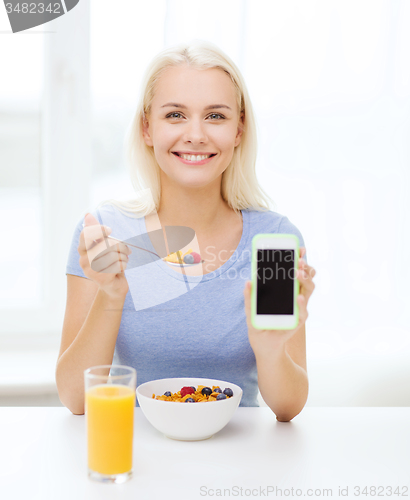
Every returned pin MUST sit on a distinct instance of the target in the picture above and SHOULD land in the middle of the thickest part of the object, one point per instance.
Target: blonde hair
(239, 188)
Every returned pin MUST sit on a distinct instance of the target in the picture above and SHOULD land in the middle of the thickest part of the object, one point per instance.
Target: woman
(163, 321)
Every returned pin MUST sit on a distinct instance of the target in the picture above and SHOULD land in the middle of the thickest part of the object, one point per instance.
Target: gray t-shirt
(174, 325)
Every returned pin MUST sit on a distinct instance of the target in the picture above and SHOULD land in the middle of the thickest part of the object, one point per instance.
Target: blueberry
(220, 396)
(189, 400)
(206, 391)
(193, 388)
(229, 392)
(168, 393)
(218, 390)
(189, 259)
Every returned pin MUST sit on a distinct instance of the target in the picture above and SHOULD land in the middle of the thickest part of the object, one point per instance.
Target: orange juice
(110, 426)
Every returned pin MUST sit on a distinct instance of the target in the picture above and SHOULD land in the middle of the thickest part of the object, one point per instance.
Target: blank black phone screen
(275, 281)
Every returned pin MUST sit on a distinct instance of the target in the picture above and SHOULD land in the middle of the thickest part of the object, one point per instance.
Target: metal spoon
(175, 263)
(145, 250)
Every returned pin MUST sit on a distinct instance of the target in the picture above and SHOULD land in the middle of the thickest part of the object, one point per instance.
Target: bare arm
(93, 311)
(90, 331)
(282, 377)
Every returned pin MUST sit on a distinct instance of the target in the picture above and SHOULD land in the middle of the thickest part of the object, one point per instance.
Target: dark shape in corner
(36, 13)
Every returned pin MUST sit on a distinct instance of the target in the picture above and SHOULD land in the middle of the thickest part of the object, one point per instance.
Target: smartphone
(275, 286)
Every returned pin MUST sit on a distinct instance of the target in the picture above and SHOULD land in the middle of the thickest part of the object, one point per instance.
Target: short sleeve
(286, 227)
(73, 261)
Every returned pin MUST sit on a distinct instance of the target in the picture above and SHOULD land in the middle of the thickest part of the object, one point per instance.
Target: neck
(202, 209)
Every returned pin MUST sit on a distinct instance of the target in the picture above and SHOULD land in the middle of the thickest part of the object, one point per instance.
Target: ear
(240, 129)
(145, 131)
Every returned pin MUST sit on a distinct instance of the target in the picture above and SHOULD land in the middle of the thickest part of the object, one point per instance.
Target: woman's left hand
(263, 341)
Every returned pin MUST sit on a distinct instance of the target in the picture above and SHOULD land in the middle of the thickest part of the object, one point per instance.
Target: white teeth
(194, 157)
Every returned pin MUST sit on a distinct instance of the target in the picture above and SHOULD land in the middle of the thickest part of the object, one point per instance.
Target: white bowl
(187, 421)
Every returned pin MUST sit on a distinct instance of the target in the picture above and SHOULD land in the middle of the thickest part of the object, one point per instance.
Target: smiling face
(193, 112)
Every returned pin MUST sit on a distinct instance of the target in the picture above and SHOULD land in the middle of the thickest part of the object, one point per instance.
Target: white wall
(330, 86)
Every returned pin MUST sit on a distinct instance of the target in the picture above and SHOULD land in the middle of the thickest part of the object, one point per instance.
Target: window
(20, 174)
(49, 185)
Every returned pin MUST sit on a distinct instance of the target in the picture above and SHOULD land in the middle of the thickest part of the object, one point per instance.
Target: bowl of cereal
(188, 409)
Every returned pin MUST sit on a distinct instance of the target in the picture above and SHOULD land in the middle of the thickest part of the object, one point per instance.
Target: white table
(43, 456)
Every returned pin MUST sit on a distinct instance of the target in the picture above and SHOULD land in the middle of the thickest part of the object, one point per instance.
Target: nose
(195, 132)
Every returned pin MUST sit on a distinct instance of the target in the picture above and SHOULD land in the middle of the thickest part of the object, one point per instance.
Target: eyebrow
(212, 106)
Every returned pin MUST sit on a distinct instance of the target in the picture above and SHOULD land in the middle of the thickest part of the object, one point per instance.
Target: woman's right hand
(107, 257)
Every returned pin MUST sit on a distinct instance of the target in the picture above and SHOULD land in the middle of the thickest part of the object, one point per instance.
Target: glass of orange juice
(109, 409)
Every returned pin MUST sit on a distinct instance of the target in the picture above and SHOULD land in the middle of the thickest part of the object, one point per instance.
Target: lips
(193, 154)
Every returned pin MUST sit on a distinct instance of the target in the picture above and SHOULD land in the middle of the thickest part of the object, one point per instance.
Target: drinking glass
(109, 409)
